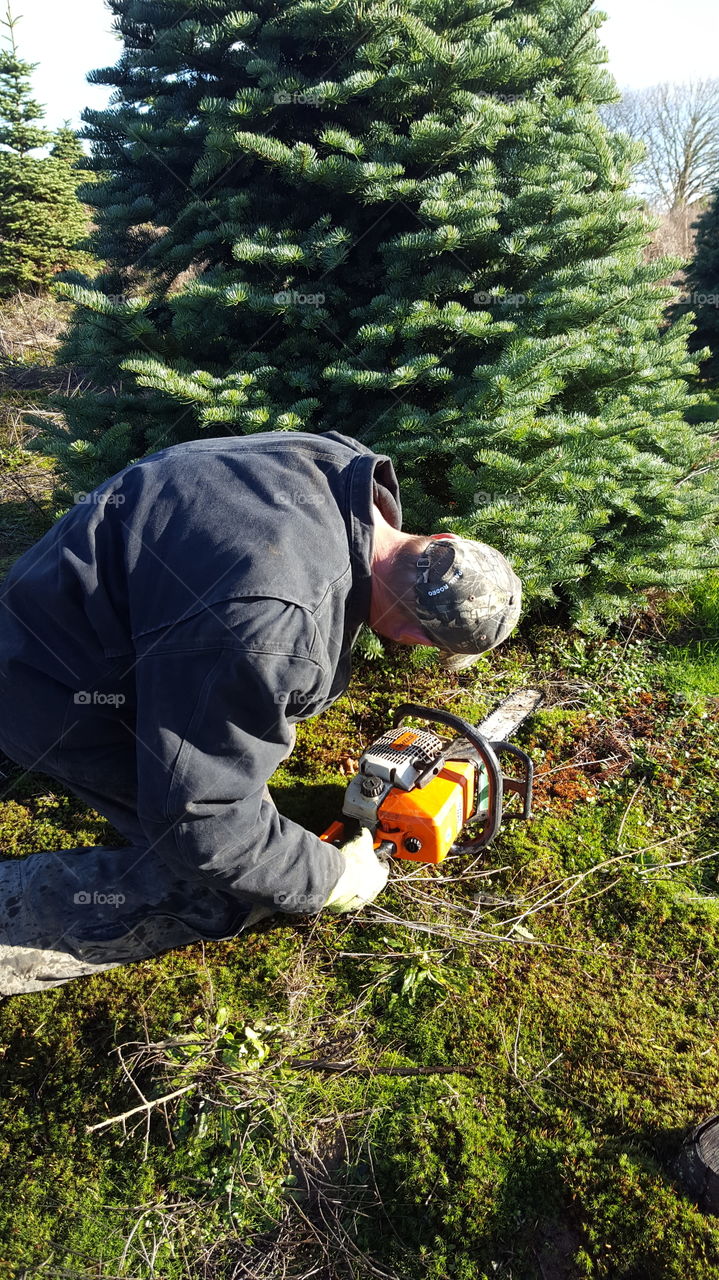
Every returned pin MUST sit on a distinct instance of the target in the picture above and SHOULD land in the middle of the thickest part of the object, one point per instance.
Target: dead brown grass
(31, 327)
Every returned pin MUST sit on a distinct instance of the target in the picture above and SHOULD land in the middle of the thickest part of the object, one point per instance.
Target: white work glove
(363, 878)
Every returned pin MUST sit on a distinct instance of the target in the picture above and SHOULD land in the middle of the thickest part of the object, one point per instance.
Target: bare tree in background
(679, 126)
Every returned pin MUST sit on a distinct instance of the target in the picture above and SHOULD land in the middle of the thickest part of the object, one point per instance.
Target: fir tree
(41, 218)
(20, 114)
(701, 288)
(67, 148)
(405, 221)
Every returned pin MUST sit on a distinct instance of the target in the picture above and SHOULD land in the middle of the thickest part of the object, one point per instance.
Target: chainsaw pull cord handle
(484, 750)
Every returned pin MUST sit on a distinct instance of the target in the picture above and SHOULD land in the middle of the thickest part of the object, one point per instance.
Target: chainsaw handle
(342, 830)
(484, 750)
(447, 718)
(522, 788)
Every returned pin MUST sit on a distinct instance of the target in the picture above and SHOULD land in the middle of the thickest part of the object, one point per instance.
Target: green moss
(571, 1052)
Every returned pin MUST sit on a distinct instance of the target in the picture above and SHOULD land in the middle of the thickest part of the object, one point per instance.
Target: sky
(653, 40)
(647, 41)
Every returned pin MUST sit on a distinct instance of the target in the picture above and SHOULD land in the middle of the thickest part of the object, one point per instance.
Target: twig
(146, 1106)
(625, 815)
(351, 1068)
(683, 862)
(575, 763)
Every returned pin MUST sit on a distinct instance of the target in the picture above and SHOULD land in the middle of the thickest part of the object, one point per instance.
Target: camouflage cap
(468, 598)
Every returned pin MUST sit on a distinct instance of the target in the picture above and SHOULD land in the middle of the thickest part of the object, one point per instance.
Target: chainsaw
(418, 793)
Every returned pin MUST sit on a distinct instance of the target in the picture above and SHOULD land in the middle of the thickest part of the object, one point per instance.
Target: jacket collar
(372, 480)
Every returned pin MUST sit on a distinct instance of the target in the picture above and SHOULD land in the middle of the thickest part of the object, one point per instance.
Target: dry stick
(576, 763)
(135, 1228)
(560, 889)
(462, 876)
(516, 1039)
(15, 435)
(141, 1095)
(350, 1068)
(684, 862)
(513, 1065)
(552, 896)
(563, 888)
(146, 1106)
(626, 814)
(571, 882)
(457, 934)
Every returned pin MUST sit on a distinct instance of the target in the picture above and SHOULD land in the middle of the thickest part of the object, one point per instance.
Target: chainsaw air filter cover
(400, 756)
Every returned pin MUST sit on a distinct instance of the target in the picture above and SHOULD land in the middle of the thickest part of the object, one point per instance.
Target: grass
(692, 669)
(488, 1073)
(484, 1076)
(26, 482)
(30, 330)
(31, 327)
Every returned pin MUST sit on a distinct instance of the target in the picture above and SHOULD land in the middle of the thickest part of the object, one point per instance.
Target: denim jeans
(78, 911)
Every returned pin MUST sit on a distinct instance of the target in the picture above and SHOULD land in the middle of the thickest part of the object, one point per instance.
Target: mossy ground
(486, 1074)
(474, 1078)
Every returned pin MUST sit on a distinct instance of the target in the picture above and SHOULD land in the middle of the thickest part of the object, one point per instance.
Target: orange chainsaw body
(423, 823)
(417, 793)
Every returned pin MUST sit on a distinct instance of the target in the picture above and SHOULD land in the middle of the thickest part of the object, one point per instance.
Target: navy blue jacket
(194, 607)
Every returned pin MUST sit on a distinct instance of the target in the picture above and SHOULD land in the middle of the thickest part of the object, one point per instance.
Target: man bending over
(158, 646)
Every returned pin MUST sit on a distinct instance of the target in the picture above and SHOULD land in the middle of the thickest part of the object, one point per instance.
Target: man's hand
(363, 878)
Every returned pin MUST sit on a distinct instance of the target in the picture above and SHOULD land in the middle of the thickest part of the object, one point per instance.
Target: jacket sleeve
(212, 727)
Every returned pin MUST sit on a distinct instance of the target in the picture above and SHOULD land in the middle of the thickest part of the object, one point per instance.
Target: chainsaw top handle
(483, 749)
